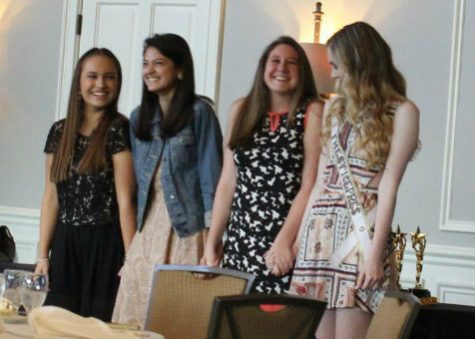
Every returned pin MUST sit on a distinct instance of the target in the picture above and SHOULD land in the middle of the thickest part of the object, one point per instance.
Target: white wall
(421, 35)
(29, 55)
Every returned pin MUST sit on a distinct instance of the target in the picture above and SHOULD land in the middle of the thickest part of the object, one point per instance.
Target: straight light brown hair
(257, 103)
(95, 157)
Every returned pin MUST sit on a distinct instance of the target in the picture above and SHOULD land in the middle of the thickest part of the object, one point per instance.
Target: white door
(122, 26)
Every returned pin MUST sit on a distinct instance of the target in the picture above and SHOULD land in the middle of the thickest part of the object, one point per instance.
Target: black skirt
(84, 266)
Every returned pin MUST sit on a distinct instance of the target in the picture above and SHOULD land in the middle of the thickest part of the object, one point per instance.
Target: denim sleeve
(133, 138)
(209, 140)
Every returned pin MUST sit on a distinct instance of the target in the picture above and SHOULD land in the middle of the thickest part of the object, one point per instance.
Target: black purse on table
(7, 245)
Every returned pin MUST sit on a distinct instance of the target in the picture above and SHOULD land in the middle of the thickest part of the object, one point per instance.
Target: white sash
(360, 236)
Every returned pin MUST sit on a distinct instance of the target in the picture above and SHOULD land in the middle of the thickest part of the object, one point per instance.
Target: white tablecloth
(22, 330)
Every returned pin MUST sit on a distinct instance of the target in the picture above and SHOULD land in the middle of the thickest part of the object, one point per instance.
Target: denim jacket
(190, 168)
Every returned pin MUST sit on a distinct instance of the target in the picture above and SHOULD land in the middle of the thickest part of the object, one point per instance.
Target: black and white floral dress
(268, 178)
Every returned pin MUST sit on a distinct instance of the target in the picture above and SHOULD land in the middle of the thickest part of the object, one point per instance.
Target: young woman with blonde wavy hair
(370, 133)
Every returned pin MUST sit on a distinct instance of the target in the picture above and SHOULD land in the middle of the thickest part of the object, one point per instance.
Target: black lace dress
(268, 179)
(87, 250)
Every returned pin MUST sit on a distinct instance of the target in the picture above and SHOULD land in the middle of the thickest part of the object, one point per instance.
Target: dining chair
(262, 316)
(395, 316)
(16, 266)
(181, 299)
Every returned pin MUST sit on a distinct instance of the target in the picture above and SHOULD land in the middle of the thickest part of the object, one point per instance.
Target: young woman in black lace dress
(270, 161)
(88, 213)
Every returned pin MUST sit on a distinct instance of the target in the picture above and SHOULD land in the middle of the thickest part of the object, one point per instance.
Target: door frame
(68, 55)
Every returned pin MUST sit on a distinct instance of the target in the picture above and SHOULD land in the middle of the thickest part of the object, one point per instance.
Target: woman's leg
(351, 323)
(326, 327)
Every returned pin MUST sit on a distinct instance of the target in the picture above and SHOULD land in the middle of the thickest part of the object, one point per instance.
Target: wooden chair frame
(414, 304)
(154, 305)
(16, 266)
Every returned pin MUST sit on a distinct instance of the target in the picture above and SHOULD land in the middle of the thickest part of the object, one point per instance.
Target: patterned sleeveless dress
(268, 178)
(325, 227)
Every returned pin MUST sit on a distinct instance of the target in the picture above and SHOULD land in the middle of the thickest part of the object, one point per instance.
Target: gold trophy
(419, 244)
(399, 244)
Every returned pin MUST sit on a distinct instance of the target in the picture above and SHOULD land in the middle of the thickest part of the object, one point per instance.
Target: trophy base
(423, 295)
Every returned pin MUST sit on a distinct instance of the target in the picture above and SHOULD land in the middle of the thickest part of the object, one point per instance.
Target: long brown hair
(95, 157)
(369, 89)
(257, 103)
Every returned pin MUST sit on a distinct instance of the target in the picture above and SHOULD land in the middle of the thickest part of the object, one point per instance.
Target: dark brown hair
(180, 112)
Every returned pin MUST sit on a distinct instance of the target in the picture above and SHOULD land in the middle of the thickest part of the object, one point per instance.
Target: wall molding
(17, 215)
(446, 222)
(24, 226)
(445, 288)
(26, 251)
(443, 255)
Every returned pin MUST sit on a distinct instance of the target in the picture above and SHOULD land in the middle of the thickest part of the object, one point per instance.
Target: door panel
(117, 25)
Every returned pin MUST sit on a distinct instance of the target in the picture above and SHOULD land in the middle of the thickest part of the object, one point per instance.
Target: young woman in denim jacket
(177, 152)
(270, 165)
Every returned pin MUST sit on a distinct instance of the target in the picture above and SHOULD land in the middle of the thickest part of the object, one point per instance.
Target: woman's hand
(42, 266)
(371, 275)
(211, 257)
(213, 253)
(280, 258)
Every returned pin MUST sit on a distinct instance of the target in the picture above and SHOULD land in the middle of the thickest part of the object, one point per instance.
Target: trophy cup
(418, 244)
(399, 244)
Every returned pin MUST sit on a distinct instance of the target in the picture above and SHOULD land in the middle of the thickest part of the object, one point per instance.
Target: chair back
(16, 266)
(180, 302)
(260, 316)
(395, 316)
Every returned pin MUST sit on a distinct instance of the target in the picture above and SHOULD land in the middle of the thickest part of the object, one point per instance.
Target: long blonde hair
(368, 91)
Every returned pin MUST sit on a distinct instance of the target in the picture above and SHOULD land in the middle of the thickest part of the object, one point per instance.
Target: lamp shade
(321, 69)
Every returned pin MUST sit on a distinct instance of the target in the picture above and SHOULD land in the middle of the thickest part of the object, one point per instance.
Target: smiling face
(337, 71)
(98, 82)
(281, 73)
(160, 73)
